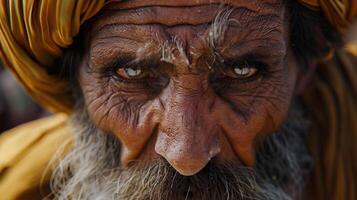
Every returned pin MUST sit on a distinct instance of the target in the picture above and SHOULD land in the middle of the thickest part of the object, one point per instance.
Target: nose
(188, 135)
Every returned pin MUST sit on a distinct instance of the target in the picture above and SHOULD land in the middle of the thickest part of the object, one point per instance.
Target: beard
(92, 169)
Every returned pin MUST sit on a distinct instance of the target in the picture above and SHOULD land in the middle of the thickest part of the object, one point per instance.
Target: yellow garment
(352, 48)
(25, 155)
(33, 35)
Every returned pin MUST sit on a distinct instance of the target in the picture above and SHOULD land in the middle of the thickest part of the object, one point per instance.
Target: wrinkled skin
(187, 105)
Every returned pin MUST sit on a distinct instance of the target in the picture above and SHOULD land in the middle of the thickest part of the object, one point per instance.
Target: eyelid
(114, 64)
(224, 70)
(249, 59)
(127, 61)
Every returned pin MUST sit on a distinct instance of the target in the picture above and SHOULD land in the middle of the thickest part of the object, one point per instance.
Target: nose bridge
(187, 136)
(188, 103)
(186, 112)
(187, 108)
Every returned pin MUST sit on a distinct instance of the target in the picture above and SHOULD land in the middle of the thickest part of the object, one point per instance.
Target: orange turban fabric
(34, 33)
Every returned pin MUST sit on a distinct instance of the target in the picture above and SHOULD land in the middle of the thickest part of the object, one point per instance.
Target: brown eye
(131, 73)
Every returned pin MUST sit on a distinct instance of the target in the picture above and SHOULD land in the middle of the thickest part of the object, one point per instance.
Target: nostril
(184, 153)
(187, 148)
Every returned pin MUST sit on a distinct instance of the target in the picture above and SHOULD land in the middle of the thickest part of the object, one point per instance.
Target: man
(182, 99)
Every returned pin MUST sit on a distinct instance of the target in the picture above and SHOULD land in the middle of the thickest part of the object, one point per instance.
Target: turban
(33, 35)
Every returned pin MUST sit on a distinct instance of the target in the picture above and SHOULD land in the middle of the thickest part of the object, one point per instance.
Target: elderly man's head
(166, 81)
(187, 100)
(204, 99)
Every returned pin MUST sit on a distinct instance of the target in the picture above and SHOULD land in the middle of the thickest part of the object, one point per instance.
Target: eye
(245, 72)
(131, 73)
(240, 70)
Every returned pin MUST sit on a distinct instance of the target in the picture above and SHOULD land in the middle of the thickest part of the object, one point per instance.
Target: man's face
(188, 81)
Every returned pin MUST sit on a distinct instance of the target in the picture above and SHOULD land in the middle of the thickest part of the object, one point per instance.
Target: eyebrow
(130, 61)
(153, 59)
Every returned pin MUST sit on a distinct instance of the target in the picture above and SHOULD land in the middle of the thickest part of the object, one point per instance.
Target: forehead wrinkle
(121, 31)
(189, 3)
(117, 26)
(262, 21)
(266, 27)
(153, 14)
(200, 13)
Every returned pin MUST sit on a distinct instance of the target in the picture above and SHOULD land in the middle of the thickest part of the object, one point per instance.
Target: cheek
(269, 101)
(129, 115)
(255, 111)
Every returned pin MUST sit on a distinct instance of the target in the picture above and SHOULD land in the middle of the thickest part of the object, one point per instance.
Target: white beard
(91, 171)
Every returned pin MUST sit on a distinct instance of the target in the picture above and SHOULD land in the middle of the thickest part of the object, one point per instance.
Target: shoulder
(26, 152)
(351, 48)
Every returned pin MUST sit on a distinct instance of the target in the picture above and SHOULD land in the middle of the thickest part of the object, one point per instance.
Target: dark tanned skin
(185, 102)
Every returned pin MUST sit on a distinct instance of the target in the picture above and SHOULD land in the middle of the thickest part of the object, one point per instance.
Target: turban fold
(34, 33)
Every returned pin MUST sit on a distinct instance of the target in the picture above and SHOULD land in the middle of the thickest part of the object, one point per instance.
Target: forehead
(173, 12)
(126, 27)
(143, 3)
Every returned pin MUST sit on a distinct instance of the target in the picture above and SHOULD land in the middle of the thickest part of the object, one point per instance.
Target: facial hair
(92, 171)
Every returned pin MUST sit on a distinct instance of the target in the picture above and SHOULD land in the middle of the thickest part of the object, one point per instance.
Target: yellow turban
(32, 36)
(34, 33)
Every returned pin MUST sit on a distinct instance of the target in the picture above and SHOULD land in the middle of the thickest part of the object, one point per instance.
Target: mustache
(92, 169)
(158, 180)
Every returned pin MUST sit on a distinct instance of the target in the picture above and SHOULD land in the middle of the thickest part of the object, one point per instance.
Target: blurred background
(16, 107)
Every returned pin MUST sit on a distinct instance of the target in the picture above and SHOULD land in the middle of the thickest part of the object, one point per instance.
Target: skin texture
(188, 106)
(92, 169)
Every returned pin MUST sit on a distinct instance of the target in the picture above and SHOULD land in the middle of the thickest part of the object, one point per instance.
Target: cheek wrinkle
(162, 104)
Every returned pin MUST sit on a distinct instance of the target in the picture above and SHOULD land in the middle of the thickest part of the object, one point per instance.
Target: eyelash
(109, 71)
(117, 78)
